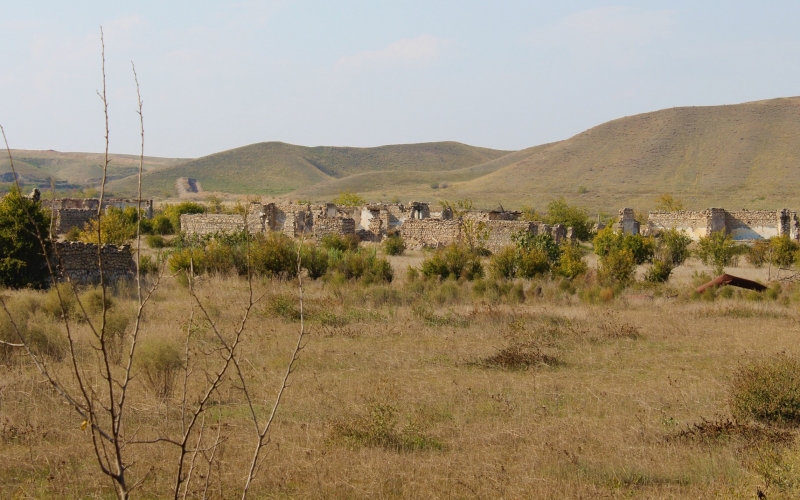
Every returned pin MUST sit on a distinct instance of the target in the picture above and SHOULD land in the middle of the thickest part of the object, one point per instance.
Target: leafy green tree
(667, 203)
(560, 212)
(571, 263)
(782, 251)
(174, 212)
(717, 250)
(22, 259)
(116, 227)
(349, 199)
(677, 243)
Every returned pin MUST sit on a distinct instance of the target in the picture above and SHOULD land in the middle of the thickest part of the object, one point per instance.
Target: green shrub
(659, 272)
(343, 243)
(156, 241)
(274, 255)
(533, 262)
(52, 306)
(314, 260)
(92, 300)
(159, 360)
(717, 250)
(767, 390)
(454, 261)
(617, 267)
(161, 224)
(677, 244)
(560, 212)
(174, 212)
(503, 264)
(571, 263)
(758, 254)
(363, 264)
(22, 260)
(394, 245)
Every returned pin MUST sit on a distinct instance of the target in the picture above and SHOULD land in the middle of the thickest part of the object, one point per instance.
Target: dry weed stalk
(103, 411)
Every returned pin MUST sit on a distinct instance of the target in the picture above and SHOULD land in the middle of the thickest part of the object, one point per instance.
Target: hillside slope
(744, 155)
(275, 168)
(79, 169)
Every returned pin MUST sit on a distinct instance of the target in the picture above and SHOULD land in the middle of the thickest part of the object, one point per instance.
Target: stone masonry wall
(205, 224)
(67, 218)
(501, 232)
(741, 224)
(430, 232)
(78, 261)
(324, 226)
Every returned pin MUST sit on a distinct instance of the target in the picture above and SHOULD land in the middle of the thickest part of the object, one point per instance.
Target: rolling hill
(737, 156)
(276, 168)
(76, 169)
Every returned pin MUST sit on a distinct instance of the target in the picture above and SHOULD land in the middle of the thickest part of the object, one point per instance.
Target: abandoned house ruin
(740, 224)
(69, 213)
(77, 261)
(415, 222)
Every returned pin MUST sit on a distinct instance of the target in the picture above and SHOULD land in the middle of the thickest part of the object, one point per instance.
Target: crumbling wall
(78, 262)
(67, 218)
(741, 224)
(501, 232)
(333, 225)
(93, 203)
(752, 225)
(695, 224)
(430, 232)
(626, 222)
(207, 224)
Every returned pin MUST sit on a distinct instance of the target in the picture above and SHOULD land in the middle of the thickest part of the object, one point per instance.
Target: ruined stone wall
(207, 224)
(67, 218)
(695, 224)
(501, 232)
(430, 232)
(741, 224)
(93, 203)
(341, 226)
(755, 224)
(78, 261)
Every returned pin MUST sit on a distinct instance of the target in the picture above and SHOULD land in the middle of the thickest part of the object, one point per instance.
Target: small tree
(116, 227)
(667, 203)
(349, 199)
(22, 259)
(560, 212)
(717, 250)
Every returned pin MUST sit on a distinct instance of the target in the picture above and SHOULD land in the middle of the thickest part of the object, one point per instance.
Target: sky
(504, 74)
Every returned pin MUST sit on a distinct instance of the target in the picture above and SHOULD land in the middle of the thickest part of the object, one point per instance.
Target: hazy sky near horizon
(503, 74)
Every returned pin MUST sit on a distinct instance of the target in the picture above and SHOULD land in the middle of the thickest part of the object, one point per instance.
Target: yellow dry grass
(600, 423)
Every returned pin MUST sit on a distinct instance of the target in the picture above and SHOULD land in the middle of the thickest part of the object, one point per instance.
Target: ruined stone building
(77, 261)
(76, 212)
(740, 224)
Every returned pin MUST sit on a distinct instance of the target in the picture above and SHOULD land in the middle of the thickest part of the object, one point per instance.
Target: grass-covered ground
(422, 389)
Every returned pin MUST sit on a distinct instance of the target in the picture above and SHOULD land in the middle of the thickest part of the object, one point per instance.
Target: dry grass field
(425, 390)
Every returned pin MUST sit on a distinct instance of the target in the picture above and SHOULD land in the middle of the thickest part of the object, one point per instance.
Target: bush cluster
(454, 261)
(276, 255)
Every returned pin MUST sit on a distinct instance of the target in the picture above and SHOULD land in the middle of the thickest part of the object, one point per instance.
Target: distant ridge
(734, 156)
(277, 168)
(739, 156)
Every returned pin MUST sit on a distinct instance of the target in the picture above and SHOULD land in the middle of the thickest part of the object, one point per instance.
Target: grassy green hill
(276, 168)
(737, 156)
(79, 169)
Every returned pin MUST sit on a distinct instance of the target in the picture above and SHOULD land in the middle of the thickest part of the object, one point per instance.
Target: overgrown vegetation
(22, 259)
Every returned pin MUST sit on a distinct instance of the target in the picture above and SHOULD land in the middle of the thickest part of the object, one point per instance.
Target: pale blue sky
(503, 74)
